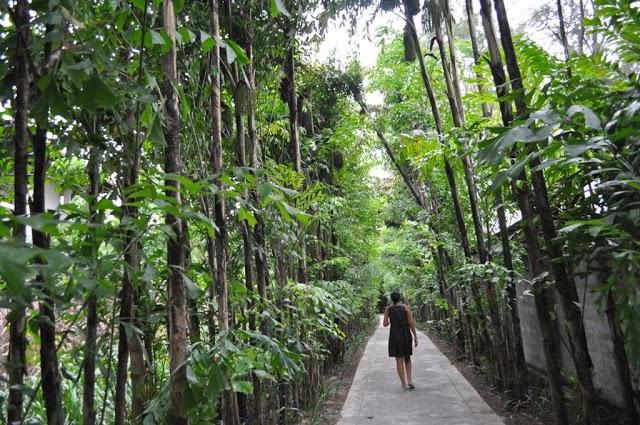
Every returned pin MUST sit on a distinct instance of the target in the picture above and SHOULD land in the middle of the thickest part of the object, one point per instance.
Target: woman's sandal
(412, 387)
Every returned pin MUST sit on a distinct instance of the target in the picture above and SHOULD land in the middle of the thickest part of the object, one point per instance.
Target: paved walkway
(442, 395)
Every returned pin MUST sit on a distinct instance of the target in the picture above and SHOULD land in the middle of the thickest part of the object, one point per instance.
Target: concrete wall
(597, 330)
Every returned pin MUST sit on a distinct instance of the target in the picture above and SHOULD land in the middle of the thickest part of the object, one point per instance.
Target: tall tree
(89, 366)
(178, 323)
(17, 362)
(294, 136)
(220, 215)
(543, 298)
(438, 15)
(471, 21)
(565, 284)
(50, 368)
(563, 36)
(475, 292)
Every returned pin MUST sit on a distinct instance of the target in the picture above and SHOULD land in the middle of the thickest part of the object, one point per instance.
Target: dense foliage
(190, 229)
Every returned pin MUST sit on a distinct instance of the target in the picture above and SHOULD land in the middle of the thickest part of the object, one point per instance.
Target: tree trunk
(471, 20)
(177, 325)
(622, 362)
(240, 100)
(126, 304)
(17, 361)
(563, 37)
(260, 248)
(448, 171)
(569, 299)
(137, 344)
(50, 370)
(520, 365)
(89, 364)
(581, 38)
(220, 215)
(294, 146)
(137, 352)
(564, 283)
(192, 305)
(515, 79)
(448, 24)
(543, 298)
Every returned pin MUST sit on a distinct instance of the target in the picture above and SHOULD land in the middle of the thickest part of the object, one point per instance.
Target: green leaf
(245, 214)
(193, 290)
(300, 215)
(207, 41)
(236, 53)
(70, 18)
(187, 35)
(216, 381)
(278, 7)
(156, 37)
(261, 374)
(156, 132)
(264, 189)
(243, 387)
(590, 118)
(191, 376)
(96, 94)
(139, 4)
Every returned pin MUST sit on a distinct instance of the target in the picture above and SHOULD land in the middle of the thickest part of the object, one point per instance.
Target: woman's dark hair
(395, 296)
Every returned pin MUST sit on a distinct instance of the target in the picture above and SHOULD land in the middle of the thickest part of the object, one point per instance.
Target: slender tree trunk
(137, 352)
(622, 362)
(448, 24)
(581, 38)
(240, 100)
(543, 297)
(471, 20)
(495, 62)
(51, 379)
(126, 304)
(17, 361)
(220, 215)
(520, 365)
(192, 305)
(89, 366)
(177, 295)
(50, 370)
(515, 78)
(294, 145)
(449, 172)
(564, 282)
(563, 36)
(138, 344)
(260, 248)
(569, 300)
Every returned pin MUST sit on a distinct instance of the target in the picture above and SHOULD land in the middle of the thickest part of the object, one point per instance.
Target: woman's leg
(400, 368)
(407, 368)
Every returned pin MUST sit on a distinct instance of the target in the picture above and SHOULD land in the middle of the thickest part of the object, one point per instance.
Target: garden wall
(597, 330)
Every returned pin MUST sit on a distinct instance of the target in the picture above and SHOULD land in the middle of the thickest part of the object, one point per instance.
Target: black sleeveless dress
(400, 334)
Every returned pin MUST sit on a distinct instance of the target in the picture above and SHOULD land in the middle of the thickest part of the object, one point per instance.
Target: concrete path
(442, 395)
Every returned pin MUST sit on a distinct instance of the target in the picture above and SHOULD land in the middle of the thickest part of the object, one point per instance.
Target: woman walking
(402, 326)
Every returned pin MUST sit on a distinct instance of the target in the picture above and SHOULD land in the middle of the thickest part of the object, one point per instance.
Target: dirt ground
(336, 386)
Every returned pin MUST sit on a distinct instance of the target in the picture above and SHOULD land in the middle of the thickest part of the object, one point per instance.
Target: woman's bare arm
(385, 322)
(412, 326)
